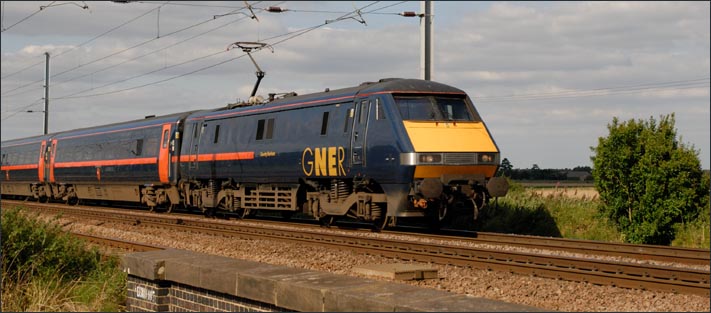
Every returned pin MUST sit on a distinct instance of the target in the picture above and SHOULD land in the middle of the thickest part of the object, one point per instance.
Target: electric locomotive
(376, 152)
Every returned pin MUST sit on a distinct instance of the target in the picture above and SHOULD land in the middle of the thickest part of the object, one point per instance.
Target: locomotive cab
(452, 157)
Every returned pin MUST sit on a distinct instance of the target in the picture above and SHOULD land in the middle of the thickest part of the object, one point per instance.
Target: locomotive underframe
(361, 198)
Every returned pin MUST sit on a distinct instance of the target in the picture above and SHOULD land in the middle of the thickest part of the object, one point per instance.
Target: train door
(193, 162)
(359, 134)
(43, 161)
(164, 155)
(51, 154)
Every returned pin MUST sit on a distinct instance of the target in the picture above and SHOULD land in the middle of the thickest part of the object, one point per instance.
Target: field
(582, 193)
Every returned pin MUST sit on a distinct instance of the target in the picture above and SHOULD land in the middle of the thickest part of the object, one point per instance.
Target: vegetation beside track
(46, 269)
(528, 212)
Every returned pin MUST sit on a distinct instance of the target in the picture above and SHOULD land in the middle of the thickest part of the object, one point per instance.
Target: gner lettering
(323, 161)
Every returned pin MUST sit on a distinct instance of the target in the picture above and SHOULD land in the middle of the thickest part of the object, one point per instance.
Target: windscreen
(435, 108)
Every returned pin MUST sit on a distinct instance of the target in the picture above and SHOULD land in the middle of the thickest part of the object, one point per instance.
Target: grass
(525, 212)
(45, 269)
(530, 212)
(694, 234)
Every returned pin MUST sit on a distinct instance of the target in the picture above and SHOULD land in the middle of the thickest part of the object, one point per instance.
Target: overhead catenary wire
(77, 46)
(295, 34)
(59, 54)
(194, 25)
(152, 52)
(20, 110)
(8, 93)
(27, 17)
(629, 89)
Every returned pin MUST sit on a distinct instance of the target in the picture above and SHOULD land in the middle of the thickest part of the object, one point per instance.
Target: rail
(627, 275)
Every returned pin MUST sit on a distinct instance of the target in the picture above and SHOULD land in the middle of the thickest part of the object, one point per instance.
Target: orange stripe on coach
(230, 156)
(140, 161)
(19, 167)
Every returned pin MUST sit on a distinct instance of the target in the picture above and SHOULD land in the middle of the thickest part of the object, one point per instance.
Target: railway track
(626, 275)
(641, 252)
(680, 255)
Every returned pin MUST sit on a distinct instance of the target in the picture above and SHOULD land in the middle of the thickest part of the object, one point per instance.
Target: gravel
(543, 293)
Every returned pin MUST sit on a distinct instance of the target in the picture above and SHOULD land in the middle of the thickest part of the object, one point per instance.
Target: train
(377, 152)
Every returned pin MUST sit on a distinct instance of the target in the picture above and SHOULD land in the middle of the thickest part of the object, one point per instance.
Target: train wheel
(478, 202)
(241, 213)
(442, 212)
(380, 223)
(72, 201)
(326, 221)
(379, 211)
(436, 214)
(208, 212)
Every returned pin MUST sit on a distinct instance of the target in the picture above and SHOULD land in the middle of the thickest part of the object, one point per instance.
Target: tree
(582, 169)
(506, 168)
(536, 172)
(647, 179)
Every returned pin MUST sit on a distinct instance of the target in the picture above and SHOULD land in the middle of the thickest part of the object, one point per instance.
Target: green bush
(648, 180)
(44, 268)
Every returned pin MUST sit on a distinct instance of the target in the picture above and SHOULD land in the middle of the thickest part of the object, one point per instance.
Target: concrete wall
(176, 280)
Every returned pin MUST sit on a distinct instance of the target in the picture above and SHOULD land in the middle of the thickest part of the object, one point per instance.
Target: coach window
(324, 124)
(363, 112)
(379, 111)
(263, 133)
(165, 139)
(270, 128)
(349, 119)
(138, 148)
(217, 133)
(260, 129)
(195, 130)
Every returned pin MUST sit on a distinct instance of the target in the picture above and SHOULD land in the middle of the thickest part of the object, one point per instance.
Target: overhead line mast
(46, 94)
(426, 39)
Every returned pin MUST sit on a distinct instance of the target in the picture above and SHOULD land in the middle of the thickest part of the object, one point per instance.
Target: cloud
(531, 68)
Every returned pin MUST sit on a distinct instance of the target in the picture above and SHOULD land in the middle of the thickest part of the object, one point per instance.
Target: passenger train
(376, 152)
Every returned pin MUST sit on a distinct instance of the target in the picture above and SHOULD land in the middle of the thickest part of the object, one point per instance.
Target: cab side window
(265, 129)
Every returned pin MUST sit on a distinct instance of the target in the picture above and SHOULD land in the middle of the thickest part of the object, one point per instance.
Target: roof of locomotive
(388, 85)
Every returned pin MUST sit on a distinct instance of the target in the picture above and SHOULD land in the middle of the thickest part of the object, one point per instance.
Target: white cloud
(490, 50)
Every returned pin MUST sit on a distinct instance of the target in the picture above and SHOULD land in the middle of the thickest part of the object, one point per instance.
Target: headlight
(486, 157)
(429, 158)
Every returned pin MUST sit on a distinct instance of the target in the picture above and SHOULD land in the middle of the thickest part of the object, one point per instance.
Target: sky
(546, 77)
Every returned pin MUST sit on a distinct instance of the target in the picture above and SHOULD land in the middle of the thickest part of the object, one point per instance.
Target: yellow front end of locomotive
(451, 148)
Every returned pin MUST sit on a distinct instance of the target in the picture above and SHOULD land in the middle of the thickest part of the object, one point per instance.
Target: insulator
(276, 9)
